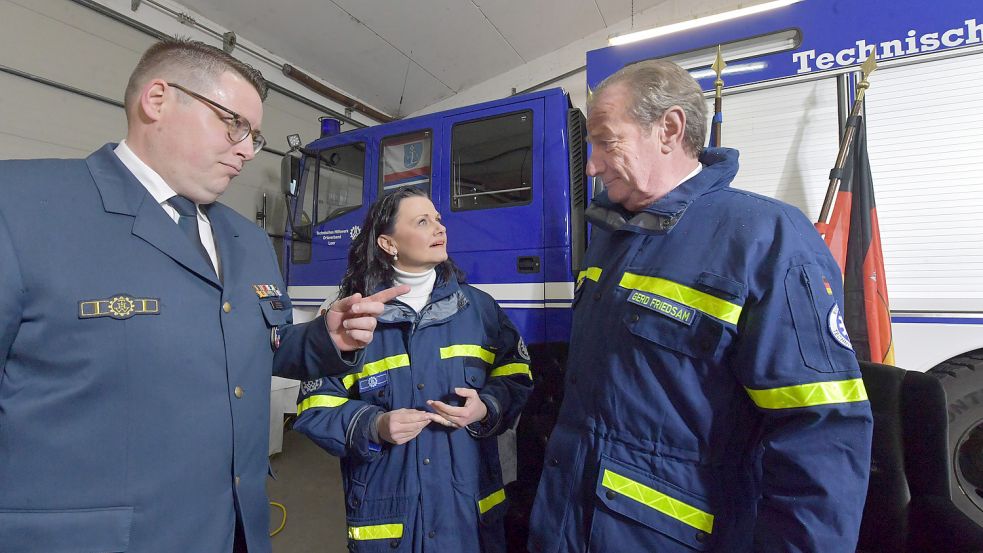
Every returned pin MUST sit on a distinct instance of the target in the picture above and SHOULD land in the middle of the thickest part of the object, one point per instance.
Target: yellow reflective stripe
(377, 532)
(487, 503)
(690, 297)
(806, 395)
(375, 367)
(465, 350)
(320, 401)
(659, 501)
(512, 368)
(593, 273)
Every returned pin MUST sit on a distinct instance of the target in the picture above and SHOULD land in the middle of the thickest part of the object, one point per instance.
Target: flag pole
(718, 85)
(836, 174)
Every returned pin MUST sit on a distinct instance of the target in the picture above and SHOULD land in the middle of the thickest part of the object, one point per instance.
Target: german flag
(854, 238)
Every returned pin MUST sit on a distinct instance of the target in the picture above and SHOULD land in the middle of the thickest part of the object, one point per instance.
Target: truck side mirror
(290, 174)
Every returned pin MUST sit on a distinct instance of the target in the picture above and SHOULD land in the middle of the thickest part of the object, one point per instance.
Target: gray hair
(194, 62)
(655, 86)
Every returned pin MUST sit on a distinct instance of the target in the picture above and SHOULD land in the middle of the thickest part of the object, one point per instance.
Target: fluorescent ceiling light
(738, 50)
(699, 22)
(733, 69)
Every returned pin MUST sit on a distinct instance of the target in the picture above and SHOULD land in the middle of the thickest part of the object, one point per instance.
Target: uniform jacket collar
(446, 300)
(123, 194)
(719, 167)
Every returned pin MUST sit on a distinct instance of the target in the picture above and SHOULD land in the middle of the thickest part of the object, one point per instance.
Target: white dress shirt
(161, 192)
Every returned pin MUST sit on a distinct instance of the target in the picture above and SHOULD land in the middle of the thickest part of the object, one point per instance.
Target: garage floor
(309, 485)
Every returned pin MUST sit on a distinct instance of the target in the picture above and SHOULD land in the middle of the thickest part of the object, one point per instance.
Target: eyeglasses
(238, 127)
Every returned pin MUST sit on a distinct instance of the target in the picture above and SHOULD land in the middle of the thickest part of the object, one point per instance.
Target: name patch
(373, 382)
(119, 307)
(664, 306)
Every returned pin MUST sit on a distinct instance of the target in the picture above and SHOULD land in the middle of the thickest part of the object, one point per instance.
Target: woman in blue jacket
(445, 374)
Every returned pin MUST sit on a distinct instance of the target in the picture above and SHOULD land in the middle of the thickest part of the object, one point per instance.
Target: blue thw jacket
(443, 490)
(712, 400)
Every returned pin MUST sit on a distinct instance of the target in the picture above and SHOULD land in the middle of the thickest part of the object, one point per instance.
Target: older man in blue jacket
(139, 321)
(712, 398)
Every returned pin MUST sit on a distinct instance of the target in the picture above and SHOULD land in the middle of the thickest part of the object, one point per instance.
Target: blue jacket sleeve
(305, 351)
(334, 419)
(11, 299)
(799, 370)
(509, 381)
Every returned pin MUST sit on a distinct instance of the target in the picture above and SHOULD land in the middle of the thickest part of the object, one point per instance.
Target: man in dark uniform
(139, 320)
(712, 399)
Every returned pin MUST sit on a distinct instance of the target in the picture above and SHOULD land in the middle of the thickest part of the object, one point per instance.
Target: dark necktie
(187, 221)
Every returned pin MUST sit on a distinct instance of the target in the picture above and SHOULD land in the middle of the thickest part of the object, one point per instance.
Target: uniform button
(238, 392)
(237, 481)
(701, 537)
(394, 544)
(634, 318)
(420, 386)
(226, 307)
(382, 393)
(597, 296)
(355, 502)
(610, 494)
(432, 534)
(554, 461)
(426, 461)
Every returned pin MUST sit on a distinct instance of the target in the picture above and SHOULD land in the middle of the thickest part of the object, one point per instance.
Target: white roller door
(925, 132)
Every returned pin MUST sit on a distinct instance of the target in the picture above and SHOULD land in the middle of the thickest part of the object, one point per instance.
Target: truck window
(339, 180)
(405, 161)
(491, 162)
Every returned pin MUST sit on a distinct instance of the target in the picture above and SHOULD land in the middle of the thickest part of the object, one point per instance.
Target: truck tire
(962, 379)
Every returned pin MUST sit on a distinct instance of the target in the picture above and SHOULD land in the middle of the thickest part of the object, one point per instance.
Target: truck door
(493, 206)
(331, 208)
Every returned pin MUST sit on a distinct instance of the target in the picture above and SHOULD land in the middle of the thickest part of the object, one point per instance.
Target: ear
(673, 127)
(386, 243)
(152, 99)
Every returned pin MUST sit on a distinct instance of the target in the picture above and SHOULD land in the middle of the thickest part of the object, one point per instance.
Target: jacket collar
(123, 194)
(719, 167)
(446, 300)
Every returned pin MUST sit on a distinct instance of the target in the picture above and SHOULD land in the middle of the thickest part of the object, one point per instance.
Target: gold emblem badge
(120, 307)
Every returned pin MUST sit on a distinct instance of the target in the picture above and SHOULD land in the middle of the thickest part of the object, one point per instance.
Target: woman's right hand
(402, 425)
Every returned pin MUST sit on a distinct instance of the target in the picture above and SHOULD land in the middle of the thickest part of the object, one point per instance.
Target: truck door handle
(527, 264)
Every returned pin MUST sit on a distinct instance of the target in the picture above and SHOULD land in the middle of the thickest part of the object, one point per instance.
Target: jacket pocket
(474, 375)
(492, 507)
(642, 512)
(66, 531)
(686, 332)
(276, 311)
(809, 303)
(377, 525)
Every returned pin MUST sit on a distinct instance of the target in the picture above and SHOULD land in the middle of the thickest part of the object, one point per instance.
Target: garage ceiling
(401, 56)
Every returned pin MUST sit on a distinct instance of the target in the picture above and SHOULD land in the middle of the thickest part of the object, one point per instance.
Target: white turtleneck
(421, 284)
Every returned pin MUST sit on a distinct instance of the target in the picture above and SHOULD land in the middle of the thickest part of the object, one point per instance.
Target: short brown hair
(655, 86)
(194, 62)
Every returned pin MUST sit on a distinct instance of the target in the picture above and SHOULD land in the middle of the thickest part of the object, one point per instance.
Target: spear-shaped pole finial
(836, 174)
(718, 85)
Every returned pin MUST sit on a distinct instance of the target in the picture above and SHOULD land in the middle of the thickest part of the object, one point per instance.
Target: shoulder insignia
(523, 351)
(837, 328)
(311, 386)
